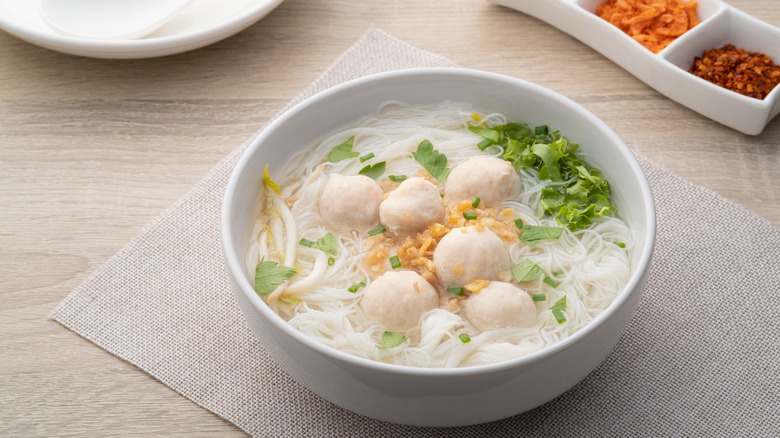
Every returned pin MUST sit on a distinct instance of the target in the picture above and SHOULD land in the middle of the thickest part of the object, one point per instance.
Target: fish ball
(413, 206)
(466, 254)
(491, 179)
(397, 300)
(351, 203)
(500, 305)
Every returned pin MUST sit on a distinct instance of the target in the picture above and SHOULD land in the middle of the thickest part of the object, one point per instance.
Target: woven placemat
(700, 358)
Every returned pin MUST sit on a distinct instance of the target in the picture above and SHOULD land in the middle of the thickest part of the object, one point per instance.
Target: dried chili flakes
(652, 23)
(750, 73)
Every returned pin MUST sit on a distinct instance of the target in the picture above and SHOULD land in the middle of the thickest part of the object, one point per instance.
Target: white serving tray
(667, 71)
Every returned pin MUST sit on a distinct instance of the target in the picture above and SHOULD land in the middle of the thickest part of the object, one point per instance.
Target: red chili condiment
(750, 73)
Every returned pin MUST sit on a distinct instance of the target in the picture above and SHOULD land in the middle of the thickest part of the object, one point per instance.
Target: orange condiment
(652, 23)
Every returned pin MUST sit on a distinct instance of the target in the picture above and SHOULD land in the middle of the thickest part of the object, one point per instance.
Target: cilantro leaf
(374, 171)
(343, 151)
(326, 243)
(390, 340)
(432, 160)
(269, 275)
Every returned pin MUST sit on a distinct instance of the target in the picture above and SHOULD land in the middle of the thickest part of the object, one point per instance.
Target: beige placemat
(700, 358)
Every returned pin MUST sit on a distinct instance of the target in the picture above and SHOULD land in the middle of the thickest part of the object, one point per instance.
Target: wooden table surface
(91, 150)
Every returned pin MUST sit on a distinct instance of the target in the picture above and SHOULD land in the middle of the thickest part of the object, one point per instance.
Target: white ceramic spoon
(109, 19)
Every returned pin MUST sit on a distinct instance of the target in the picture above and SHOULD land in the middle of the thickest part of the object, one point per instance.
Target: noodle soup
(420, 236)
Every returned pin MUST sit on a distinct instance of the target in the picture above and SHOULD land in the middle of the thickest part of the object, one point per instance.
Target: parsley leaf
(343, 151)
(390, 340)
(374, 171)
(269, 275)
(432, 160)
(327, 243)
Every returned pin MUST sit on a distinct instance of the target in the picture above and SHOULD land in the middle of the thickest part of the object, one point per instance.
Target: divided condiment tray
(667, 71)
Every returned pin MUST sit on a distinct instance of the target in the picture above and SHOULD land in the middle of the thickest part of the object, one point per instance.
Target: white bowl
(437, 397)
(200, 23)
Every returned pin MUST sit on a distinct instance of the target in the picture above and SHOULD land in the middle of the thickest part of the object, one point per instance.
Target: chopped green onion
(455, 290)
(355, 287)
(551, 281)
(475, 202)
(539, 297)
(397, 178)
(470, 215)
(484, 144)
(377, 230)
(519, 224)
(395, 262)
(390, 340)
(557, 310)
(331, 261)
(620, 244)
(464, 338)
(306, 242)
(367, 157)
(541, 130)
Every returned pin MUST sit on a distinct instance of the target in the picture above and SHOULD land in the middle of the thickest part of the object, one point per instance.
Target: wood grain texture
(91, 150)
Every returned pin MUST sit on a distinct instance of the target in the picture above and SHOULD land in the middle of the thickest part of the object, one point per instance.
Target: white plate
(667, 71)
(201, 23)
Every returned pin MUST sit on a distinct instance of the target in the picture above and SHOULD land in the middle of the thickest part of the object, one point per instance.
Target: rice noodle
(591, 268)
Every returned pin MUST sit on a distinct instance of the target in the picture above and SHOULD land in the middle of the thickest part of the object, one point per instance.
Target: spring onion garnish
(377, 230)
(355, 287)
(557, 310)
(475, 202)
(343, 151)
(539, 297)
(464, 338)
(367, 157)
(374, 171)
(269, 275)
(469, 215)
(331, 261)
(620, 244)
(327, 243)
(395, 262)
(390, 340)
(581, 194)
(432, 160)
(397, 178)
(519, 224)
(533, 234)
(455, 290)
(527, 270)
